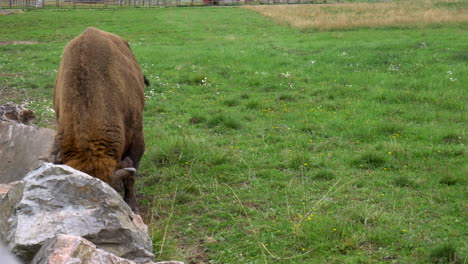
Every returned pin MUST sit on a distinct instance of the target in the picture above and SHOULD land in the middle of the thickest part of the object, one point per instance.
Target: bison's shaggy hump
(98, 100)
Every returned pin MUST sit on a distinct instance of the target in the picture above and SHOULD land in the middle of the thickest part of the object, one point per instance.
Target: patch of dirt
(10, 74)
(10, 94)
(6, 12)
(197, 255)
(17, 42)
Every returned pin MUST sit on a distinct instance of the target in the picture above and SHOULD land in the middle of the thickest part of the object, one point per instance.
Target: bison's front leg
(126, 175)
(55, 153)
(130, 194)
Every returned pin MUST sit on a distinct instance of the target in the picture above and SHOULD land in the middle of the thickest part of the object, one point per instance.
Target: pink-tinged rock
(166, 262)
(4, 188)
(138, 221)
(66, 249)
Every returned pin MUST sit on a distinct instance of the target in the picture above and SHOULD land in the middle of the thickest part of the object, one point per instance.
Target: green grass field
(268, 144)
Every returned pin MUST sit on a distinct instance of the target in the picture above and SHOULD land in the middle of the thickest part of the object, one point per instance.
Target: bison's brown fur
(98, 100)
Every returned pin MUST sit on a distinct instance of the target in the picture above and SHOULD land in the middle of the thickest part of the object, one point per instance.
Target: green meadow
(270, 144)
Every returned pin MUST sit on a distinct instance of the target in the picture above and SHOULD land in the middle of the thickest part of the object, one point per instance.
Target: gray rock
(22, 149)
(57, 199)
(6, 257)
(66, 249)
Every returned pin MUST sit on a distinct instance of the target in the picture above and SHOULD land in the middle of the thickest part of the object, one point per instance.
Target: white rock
(57, 199)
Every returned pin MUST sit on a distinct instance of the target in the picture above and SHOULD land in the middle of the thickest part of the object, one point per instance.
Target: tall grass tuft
(357, 15)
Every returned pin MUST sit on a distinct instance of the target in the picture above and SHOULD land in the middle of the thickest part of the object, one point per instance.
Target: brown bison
(98, 101)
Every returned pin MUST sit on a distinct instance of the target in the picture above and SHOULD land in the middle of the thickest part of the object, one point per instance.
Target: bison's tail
(101, 168)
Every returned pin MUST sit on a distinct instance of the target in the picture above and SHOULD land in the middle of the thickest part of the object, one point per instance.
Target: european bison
(98, 101)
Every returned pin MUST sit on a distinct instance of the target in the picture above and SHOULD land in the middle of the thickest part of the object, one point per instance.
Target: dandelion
(204, 81)
(305, 164)
(334, 229)
(389, 153)
(403, 230)
(394, 67)
(286, 75)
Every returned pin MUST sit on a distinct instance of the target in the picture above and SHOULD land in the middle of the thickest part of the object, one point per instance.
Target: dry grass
(353, 15)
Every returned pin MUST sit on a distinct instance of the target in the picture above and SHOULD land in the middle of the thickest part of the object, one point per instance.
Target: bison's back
(98, 99)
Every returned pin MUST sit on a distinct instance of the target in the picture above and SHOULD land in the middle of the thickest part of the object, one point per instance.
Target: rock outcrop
(55, 214)
(23, 146)
(66, 249)
(57, 199)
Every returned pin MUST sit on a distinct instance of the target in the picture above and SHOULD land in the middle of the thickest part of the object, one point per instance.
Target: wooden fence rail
(4, 4)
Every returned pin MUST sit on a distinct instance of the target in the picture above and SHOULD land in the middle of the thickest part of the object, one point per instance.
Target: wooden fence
(4, 4)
